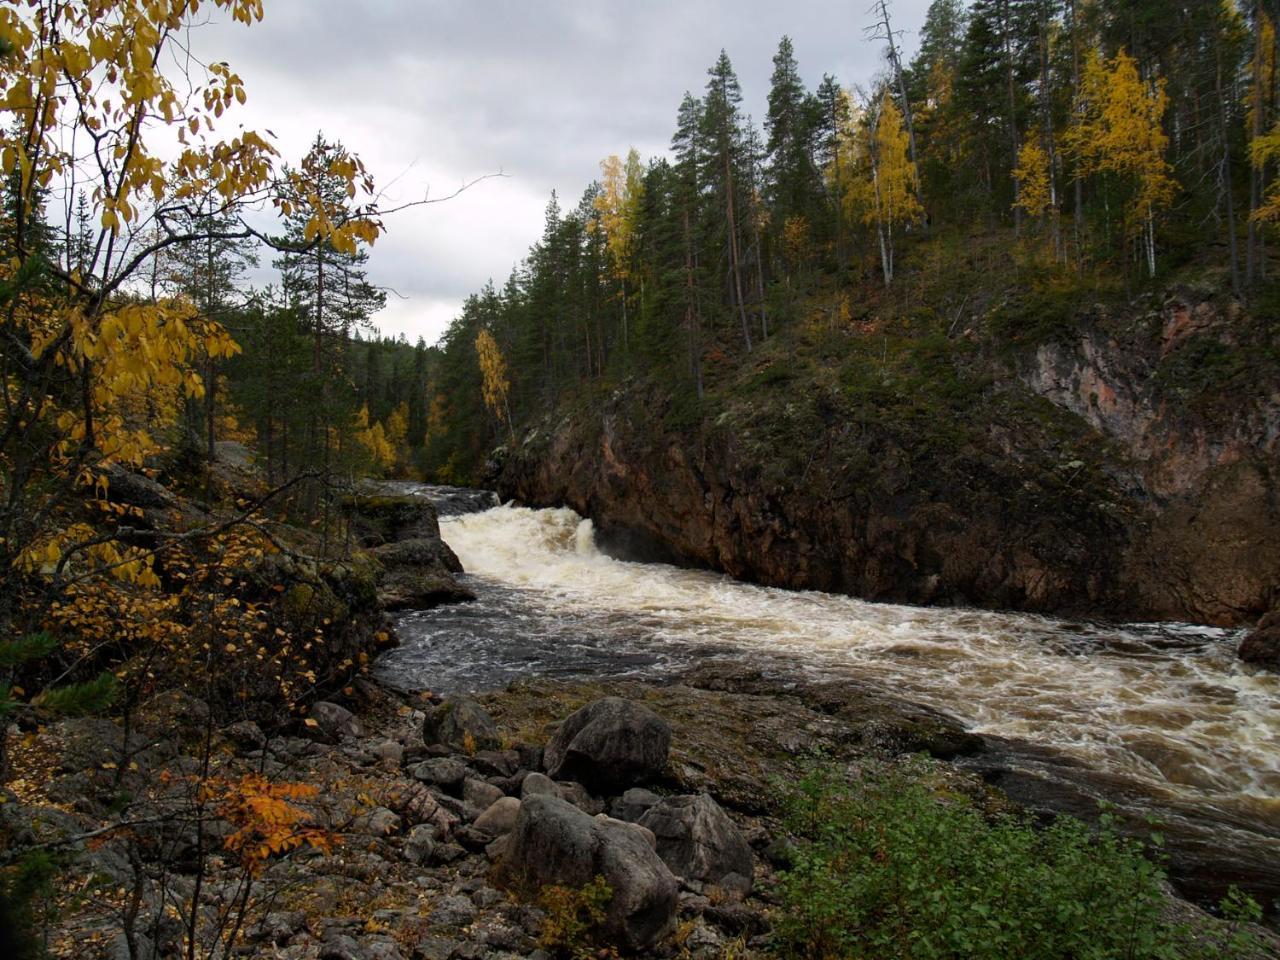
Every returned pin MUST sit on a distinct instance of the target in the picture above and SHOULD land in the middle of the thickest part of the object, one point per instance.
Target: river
(1161, 718)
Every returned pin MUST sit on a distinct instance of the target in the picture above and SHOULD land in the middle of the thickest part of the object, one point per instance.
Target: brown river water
(1161, 719)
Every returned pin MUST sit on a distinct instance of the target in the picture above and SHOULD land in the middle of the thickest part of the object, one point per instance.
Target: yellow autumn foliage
(100, 72)
(1035, 190)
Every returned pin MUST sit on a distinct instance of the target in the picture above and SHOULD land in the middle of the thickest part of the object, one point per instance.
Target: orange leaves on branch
(265, 818)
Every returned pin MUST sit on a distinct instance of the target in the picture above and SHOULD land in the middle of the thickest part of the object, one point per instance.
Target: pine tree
(790, 125)
(723, 135)
(325, 286)
(208, 272)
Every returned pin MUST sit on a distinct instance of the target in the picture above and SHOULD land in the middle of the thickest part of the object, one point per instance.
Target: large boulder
(460, 723)
(555, 843)
(610, 745)
(696, 838)
(1261, 645)
(419, 574)
(379, 517)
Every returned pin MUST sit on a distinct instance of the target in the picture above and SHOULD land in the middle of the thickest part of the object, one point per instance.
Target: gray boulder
(579, 796)
(610, 745)
(696, 838)
(421, 843)
(633, 804)
(500, 818)
(334, 723)
(478, 796)
(553, 842)
(452, 721)
(538, 783)
(443, 772)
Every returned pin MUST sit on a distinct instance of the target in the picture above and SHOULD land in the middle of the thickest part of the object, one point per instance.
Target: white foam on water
(1168, 704)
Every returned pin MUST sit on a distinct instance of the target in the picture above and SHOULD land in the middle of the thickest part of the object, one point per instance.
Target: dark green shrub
(887, 868)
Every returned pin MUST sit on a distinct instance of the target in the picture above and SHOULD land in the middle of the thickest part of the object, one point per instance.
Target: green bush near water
(888, 868)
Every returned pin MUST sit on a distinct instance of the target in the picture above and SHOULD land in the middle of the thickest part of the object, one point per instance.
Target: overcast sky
(433, 94)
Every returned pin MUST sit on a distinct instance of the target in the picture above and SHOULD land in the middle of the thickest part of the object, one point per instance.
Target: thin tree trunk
(1253, 251)
(1224, 173)
(883, 7)
(691, 313)
(1077, 214)
(733, 250)
(1006, 47)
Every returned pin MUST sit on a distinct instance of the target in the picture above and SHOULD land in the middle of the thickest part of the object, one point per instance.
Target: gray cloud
(434, 93)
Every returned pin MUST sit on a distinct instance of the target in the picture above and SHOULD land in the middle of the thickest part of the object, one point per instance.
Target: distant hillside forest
(1034, 158)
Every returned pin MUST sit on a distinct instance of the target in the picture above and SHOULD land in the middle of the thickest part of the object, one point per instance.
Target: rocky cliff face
(1128, 470)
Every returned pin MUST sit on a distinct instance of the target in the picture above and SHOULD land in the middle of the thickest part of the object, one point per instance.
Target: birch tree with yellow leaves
(1118, 133)
(91, 373)
(1034, 176)
(495, 383)
(618, 205)
(894, 202)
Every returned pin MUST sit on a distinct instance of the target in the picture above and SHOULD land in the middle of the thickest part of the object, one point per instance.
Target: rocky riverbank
(440, 826)
(1105, 473)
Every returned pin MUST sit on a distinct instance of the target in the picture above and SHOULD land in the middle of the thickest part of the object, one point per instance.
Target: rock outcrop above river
(1097, 474)
(415, 567)
(1261, 645)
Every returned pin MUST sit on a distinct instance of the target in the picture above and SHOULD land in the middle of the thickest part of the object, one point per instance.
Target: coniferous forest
(1031, 160)
(850, 532)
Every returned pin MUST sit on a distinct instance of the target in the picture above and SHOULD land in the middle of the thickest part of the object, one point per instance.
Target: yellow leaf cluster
(375, 440)
(1035, 193)
(493, 372)
(1119, 132)
(618, 206)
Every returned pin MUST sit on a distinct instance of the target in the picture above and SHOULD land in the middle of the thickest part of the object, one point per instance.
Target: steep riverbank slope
(1117, 461)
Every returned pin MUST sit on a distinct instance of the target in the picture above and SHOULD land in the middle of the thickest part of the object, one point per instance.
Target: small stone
(472, 839)
(453, 911)
(496, 763)
(246, 733)
(497, 848)
(502, 937)
(692, 904)
(577, 794)
(378, 822)
(733, 887)
(461, 723)
(479, 796)
(447, 853)
(443, 772)
(781, 852)
(486, 897)
(610, 744)
(278, 926)
(633, 804)
(530, 756)
(538, 783)
(389, 751)
(333, 723)
(500, 817)
(432, 947)
(734, 918)
(420, 844)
